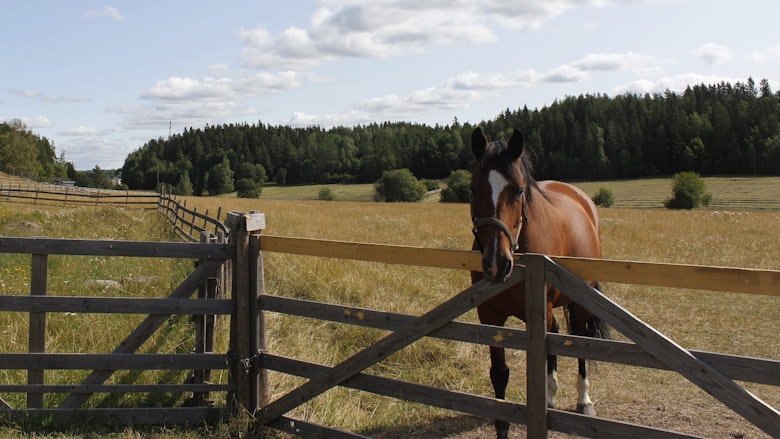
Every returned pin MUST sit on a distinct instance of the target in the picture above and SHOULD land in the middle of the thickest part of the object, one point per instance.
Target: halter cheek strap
(495, 222)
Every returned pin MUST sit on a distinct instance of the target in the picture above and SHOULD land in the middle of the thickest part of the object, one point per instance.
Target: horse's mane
(503, 160)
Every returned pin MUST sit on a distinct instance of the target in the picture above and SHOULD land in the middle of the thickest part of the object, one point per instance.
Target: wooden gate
(715, 373)
(211, 276)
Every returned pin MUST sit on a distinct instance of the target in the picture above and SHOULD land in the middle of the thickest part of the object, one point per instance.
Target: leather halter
(497, 222)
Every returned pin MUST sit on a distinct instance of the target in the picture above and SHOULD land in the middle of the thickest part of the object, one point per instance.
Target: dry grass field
(731, 323)
(722, 322)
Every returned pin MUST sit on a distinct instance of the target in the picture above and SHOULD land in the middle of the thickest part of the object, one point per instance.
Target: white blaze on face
(497, 185)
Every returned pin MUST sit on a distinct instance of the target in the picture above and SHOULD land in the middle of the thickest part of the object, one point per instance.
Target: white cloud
(676, 83)
(107, 12)
(300, 119)
(386, 28)
(51, 99)
(617, 62)
(712, 53)
(766, 55)
(175, 88)
(79, 131)
(37, 122)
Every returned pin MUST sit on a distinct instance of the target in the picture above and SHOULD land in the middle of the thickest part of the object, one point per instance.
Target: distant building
(59, 181)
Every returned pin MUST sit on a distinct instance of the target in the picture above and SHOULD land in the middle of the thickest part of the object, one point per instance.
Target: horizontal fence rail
(737, 280)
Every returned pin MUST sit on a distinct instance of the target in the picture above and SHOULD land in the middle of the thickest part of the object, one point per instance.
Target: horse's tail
(598, 328)
(595, 327)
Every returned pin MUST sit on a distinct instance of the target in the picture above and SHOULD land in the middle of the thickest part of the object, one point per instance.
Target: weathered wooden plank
(391, 254)
(749, 369)
(737, 280)
(536, 355)
(476, 405)
(420, 327)
(125, 415)
(115, 305)
(258, 376)
(754, 370)
(112, 361)
(599, 428)
(308, 429)
(240, 337)
(146, 328)
(116, 388)
(37, 328)
(667, 351)
(82, 247)
(512, 338)
(447, 399)
(696, 277)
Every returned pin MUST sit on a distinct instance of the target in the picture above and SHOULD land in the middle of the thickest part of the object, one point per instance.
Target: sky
(100, 79)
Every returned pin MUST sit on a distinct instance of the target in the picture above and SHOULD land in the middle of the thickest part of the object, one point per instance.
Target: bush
(688, 192)
(326, 194)
(430, 185)
(604, 198)
(457, 190)
(399, 185)
(248, 188)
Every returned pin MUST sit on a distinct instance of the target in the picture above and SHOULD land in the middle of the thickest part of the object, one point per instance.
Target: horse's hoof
(502, 436)
(586, 409)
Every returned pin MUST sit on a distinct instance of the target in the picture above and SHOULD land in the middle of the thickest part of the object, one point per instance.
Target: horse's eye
(519, 194)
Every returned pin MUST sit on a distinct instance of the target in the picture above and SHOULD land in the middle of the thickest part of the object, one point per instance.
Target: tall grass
(731, 323)
(90, 276)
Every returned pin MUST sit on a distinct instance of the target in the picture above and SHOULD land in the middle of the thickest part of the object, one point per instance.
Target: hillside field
(708, 321)
(737, 193)
(722, 322)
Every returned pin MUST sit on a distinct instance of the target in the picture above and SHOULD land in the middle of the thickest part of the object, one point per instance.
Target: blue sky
(99, 79)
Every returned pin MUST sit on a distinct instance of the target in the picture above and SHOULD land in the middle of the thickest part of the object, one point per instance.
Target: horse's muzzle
(497, 270)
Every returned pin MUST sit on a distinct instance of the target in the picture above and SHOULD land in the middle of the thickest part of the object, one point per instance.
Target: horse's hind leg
(499, 377)
(583, 323)
(552, 369)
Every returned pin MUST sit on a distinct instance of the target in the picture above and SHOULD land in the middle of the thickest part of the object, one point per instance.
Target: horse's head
(500, 185)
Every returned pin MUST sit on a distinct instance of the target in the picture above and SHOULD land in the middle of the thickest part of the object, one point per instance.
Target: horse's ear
(516, 144)
(478, 143)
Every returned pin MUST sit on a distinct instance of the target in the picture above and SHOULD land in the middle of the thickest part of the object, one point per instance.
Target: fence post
(536, 355)
(259, 377)
(37, 332)
(199, 376)
(244, 339)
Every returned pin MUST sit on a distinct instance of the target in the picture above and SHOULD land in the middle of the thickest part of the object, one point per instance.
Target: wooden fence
(248, 359)
(188, 224)
(715, 373)
(209, 279)
(50, 194)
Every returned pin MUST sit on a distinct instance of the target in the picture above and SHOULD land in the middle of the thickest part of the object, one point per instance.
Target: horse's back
(576, 217)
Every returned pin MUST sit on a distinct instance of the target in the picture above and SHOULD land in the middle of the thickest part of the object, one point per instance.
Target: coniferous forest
(709, 129)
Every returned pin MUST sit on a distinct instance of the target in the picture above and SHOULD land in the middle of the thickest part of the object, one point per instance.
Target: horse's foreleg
(499, 376)
(584, 403)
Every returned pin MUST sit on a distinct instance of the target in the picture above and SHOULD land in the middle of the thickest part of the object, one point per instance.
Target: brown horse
(513, 213)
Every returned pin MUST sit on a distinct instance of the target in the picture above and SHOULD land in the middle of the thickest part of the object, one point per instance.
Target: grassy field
(730, 323)
(738, 193)
(709, 321)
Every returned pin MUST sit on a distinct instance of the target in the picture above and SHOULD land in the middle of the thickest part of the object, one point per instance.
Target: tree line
(26, 154)
(708, 129)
